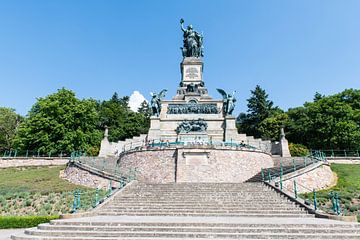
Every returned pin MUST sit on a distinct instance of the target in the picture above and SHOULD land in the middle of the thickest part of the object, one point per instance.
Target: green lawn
(27, 191)
(34, 179)
(348, 187)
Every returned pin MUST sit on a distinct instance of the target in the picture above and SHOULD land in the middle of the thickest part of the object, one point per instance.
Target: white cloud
(135, 100)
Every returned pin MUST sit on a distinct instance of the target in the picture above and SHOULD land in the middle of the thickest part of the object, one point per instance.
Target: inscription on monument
(192, 109)
(192, 73)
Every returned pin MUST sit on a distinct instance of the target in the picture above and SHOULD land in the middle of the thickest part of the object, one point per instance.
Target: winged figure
(229, 101)
(156, 102)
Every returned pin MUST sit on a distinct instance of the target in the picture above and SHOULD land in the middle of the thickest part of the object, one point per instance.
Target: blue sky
(290, 48)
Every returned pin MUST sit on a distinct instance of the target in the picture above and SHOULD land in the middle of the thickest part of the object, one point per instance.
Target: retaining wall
(27, 162)
(200, 164)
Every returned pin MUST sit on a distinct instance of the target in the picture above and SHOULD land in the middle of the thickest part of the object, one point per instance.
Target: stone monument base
(195, 163)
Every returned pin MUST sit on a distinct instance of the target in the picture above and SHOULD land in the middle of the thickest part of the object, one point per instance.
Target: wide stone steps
(182, 208)
(211, 211)
(230, 229)
(185, 235)
(260, 215)
(195, 211)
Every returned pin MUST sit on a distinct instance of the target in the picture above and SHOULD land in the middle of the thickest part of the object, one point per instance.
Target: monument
(192, 136)
(192, 115)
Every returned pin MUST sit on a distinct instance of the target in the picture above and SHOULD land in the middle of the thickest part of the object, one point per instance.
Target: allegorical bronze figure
(193, 42)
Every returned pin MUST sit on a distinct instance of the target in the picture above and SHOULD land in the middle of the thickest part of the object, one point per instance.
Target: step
(191, 234)
(234, 229)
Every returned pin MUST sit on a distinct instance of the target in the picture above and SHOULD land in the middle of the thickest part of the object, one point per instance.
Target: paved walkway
(6, 233)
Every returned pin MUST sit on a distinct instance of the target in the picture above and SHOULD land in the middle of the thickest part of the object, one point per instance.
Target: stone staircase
(195, 211)
(199, 199)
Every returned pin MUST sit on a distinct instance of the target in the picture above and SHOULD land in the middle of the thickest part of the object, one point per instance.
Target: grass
(348, 188)
(39, 191)
(34, 179)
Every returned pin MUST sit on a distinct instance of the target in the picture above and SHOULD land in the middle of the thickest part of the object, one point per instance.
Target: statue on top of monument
(156, 102)
(229, 101)
(192, 42)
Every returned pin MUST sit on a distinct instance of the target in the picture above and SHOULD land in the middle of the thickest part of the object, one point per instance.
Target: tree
(259, 109)
(9, 121)
(122, 122)
(330, 122)
(269, 127)
(60, 122)
(145, 109)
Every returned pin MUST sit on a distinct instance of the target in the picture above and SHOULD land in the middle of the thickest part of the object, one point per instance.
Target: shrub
(24, 221)
(298, 150)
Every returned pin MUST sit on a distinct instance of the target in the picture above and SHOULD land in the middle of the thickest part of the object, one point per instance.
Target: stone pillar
(154, 131)
(231, 132)
(284, 145)
(105, 147)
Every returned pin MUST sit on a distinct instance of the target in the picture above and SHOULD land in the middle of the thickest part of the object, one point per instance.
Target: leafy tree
(122, 122)
(60, 122)
(328, 122)
(298, 150)
(145, 109)
(9, 121)
(259, 109)
(269, 127)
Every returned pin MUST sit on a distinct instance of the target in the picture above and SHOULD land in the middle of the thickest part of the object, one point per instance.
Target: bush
(298, 150)
(24, 221)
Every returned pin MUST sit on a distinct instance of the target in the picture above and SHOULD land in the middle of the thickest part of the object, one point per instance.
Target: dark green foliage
(24, 221)
(145, 109)
(263, 119)
(9, 121)
(60, 122)
(298, 150)
(122, 122)
(331, 122)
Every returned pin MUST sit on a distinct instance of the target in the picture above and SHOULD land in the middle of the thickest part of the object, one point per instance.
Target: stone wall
(344, 160)
(27, 162)
(156, 166)
(200, 164)
(219, 165)
(78, 176)
(320, 177)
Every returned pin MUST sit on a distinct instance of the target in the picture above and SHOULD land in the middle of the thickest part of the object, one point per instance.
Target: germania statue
(192, 42)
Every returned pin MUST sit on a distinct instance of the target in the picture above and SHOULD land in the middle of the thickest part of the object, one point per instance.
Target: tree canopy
(9, 121)
(60, 122)
(122, 122)
(330, 122)
(262, 119)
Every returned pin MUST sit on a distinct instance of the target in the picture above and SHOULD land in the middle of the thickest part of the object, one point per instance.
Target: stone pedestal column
(230, 130)
(284, 145)
(154, 131)
(105, 146)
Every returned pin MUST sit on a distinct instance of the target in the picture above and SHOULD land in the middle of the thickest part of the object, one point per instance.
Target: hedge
(24, 221)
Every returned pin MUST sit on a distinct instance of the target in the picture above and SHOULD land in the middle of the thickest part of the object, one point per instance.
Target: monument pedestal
(154, 131)
(230, 130)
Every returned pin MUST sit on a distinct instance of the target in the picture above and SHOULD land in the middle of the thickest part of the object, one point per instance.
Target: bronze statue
(229, 101)
(156, 102)
(192, 42)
